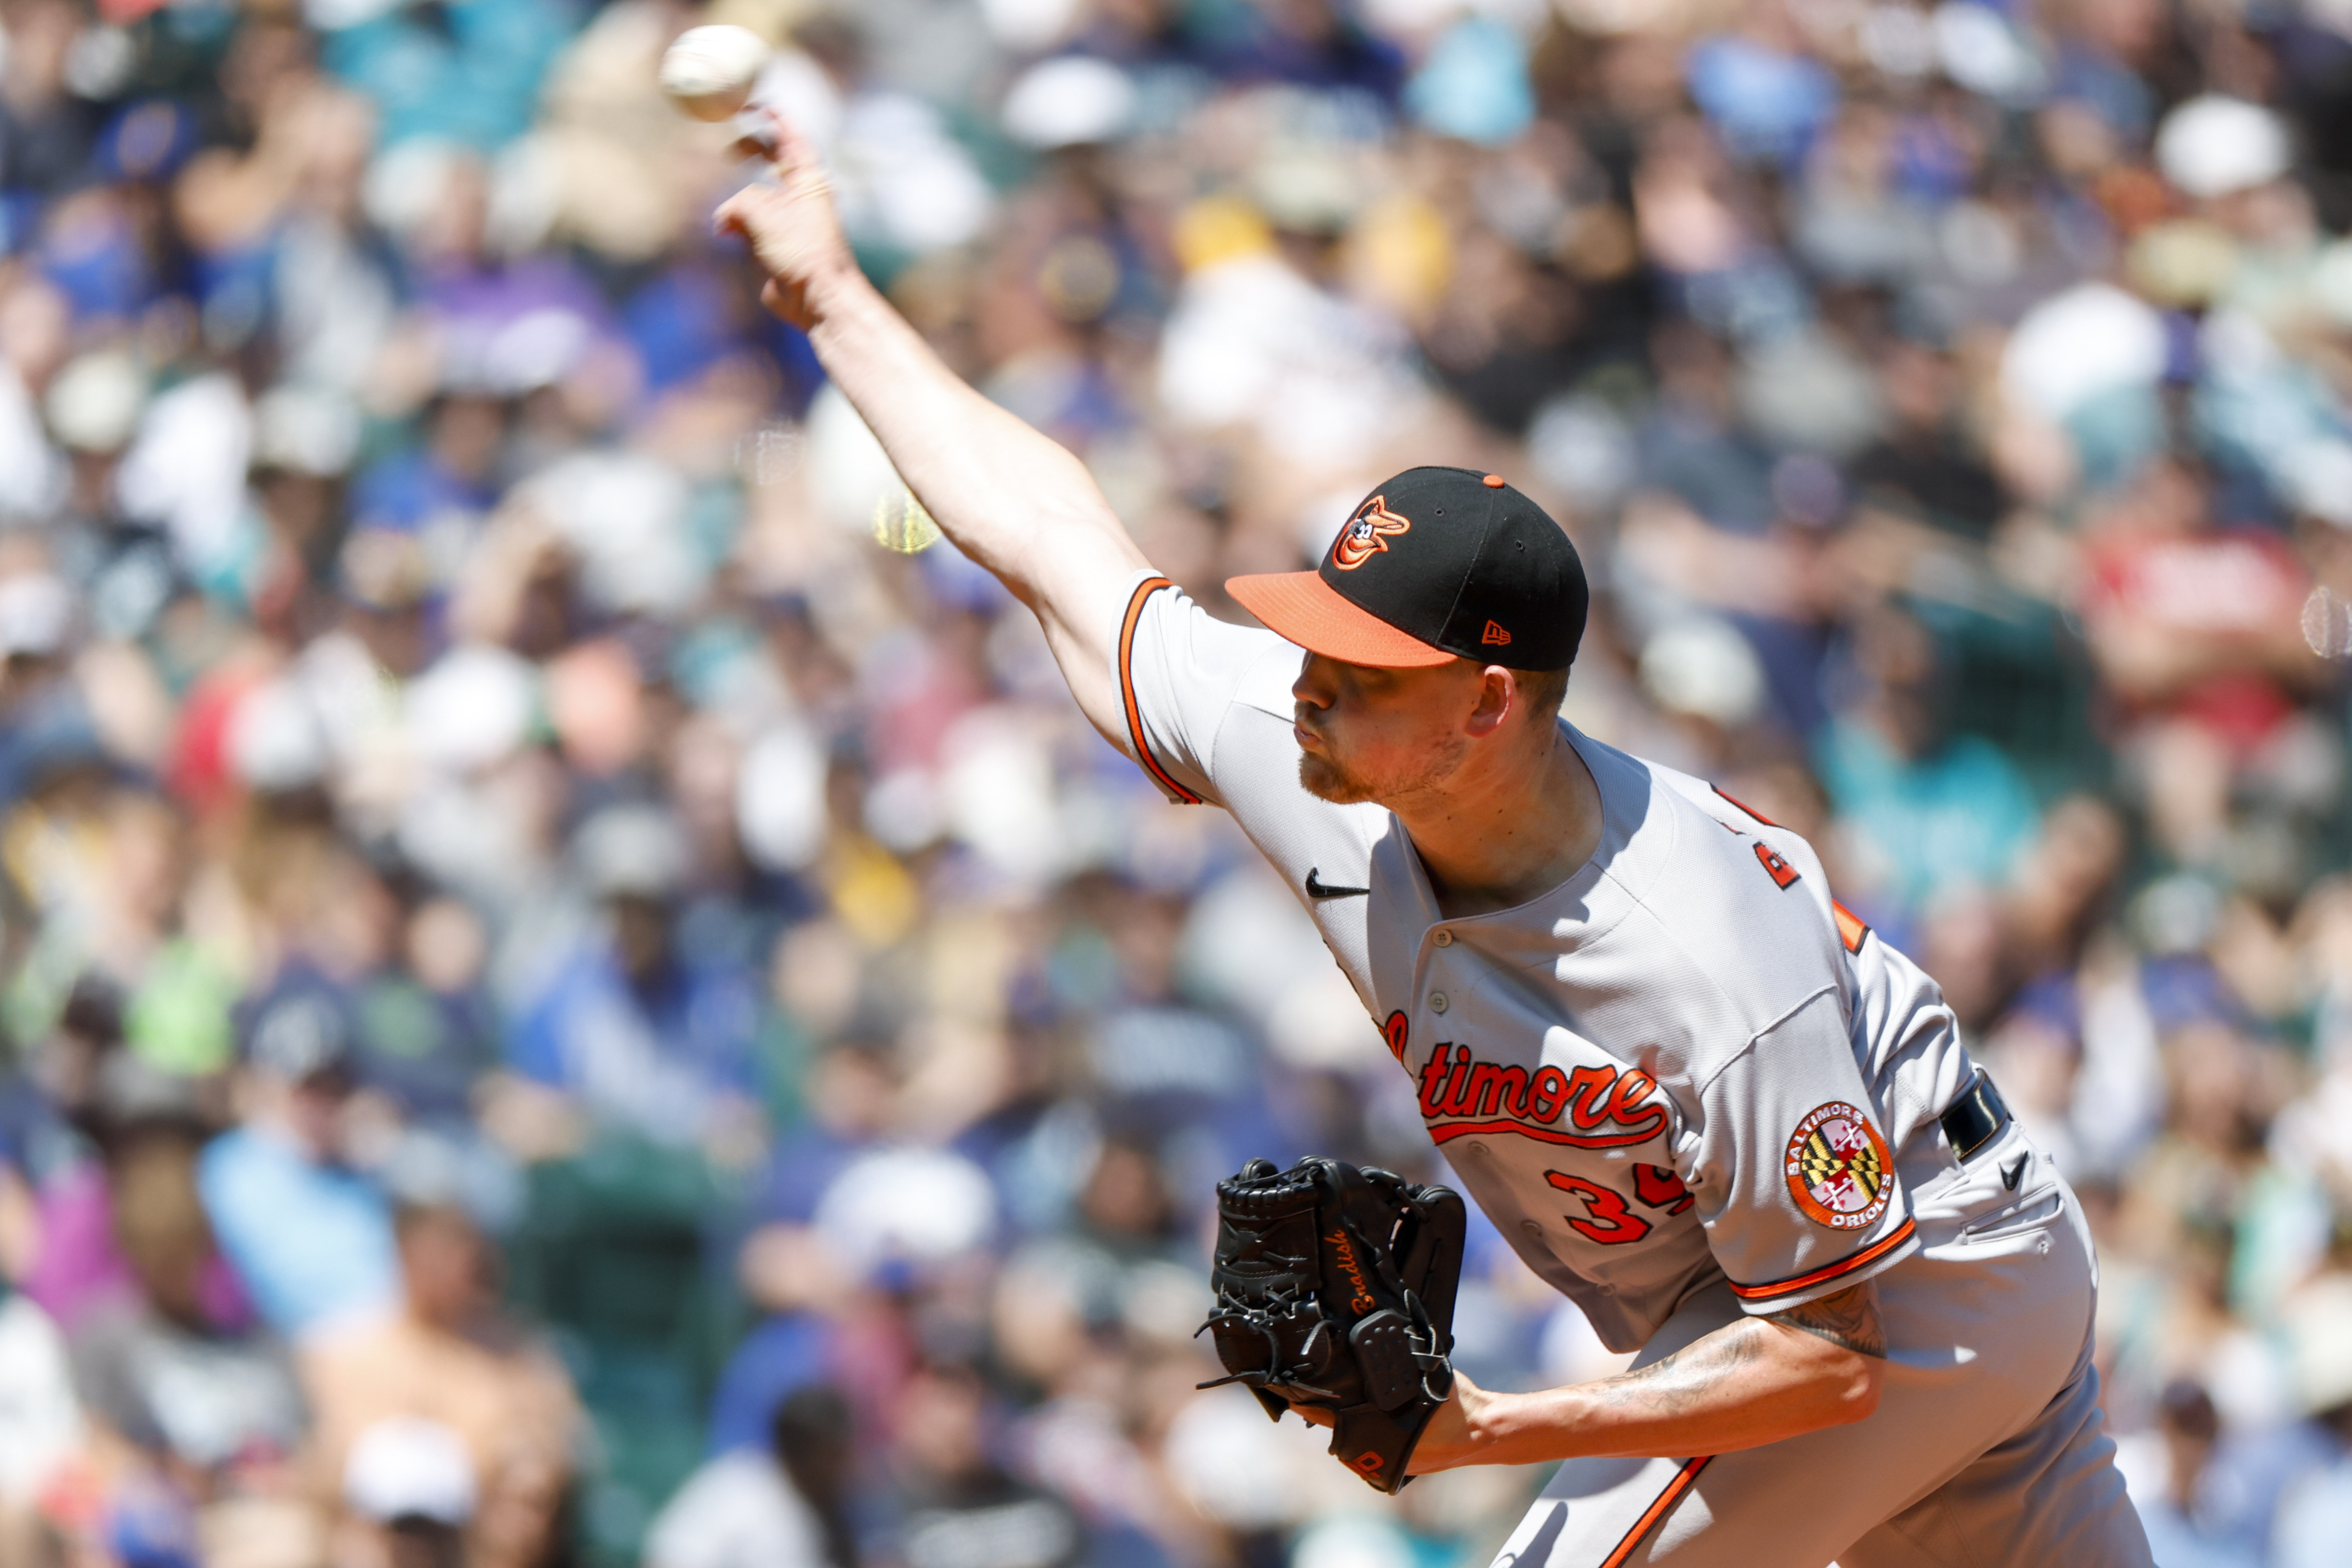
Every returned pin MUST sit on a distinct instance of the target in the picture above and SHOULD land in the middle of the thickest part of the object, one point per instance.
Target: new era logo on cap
(1435, 564)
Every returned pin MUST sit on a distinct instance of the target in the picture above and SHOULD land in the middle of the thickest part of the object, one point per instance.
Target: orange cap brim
(1300, 607)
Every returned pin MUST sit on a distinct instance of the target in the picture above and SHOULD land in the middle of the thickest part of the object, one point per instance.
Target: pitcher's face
(1371, 733)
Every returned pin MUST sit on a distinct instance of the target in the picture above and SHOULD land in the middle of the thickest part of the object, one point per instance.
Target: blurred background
(561, 1006)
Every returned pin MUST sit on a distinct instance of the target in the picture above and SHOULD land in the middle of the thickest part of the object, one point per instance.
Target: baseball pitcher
(1698, 1097)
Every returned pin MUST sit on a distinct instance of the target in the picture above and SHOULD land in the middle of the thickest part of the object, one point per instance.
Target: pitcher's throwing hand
(788, 220)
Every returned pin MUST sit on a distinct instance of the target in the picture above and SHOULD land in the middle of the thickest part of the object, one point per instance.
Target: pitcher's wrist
(836, 291)
(1486, 1413)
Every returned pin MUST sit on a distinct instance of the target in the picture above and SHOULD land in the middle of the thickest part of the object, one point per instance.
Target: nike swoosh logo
(2014, 1172)
(1315, 890)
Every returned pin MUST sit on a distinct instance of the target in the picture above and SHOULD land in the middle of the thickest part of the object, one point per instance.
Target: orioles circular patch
(1838, 1168)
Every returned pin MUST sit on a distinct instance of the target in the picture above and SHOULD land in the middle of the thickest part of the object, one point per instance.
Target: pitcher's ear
(1498, 699)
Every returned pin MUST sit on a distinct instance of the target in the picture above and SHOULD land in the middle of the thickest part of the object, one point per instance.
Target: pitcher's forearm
(1752, 1382)
(1730, 1390)
(1013, 498)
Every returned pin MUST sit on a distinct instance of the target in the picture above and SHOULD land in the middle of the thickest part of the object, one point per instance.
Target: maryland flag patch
(1838, 1168)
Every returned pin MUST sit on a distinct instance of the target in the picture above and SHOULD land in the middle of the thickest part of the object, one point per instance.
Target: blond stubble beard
(1326, 781)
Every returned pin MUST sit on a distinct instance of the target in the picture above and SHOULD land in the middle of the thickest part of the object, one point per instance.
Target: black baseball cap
(1435, 564)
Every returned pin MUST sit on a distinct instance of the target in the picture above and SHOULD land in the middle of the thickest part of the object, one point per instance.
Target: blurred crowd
(561, 1004)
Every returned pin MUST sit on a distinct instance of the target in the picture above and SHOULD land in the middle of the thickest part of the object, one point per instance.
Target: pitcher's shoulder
(1743, 899)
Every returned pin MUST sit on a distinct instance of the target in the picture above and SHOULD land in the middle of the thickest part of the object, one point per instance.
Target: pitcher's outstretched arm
(1009, 496)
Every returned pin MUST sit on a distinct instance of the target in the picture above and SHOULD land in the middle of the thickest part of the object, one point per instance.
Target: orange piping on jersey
(1657, 1510)
(1851, 927)
(1868, 1256)
(1543, 1135)
(1743, 806)
(1143, 590)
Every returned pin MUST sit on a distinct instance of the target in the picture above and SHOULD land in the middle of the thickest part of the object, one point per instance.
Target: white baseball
(708, 71)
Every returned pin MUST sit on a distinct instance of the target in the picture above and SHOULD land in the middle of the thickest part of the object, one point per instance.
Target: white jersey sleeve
(1179, 672)
(1799, 1132)
(1795, 1180)
(1208, 713)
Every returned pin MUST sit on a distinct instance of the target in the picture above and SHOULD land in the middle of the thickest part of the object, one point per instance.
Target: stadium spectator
(786, 1507)
(448, 1357)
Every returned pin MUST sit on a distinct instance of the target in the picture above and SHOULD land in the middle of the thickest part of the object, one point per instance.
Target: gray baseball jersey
(1685, 1061)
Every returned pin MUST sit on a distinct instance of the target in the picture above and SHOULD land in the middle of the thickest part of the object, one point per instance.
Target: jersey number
(1606, 1218)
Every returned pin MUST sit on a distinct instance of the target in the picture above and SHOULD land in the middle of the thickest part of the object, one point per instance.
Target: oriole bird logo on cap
(1366, 533)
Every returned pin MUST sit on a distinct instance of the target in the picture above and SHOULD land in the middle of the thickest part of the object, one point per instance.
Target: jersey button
(1443, 938)
(1437, 1001)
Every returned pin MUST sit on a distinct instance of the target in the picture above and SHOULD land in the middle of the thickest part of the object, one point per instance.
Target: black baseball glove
(1335, 1291)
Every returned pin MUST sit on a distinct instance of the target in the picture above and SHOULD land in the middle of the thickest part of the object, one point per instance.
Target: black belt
(1975, 1118)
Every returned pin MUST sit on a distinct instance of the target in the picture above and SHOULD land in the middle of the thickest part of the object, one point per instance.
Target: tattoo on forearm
(1679, 1382)
(1674, 1383)
(1848, 1318)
